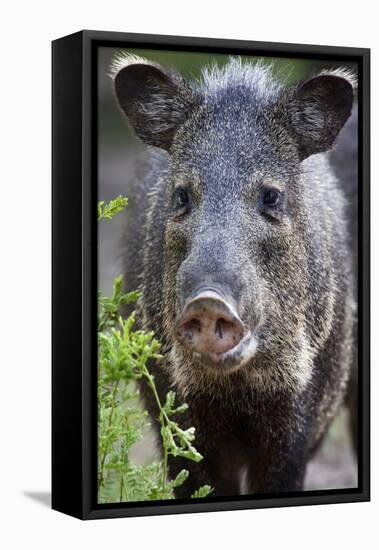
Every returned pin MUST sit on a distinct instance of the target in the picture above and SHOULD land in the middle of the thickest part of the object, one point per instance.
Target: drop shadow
(42, 497)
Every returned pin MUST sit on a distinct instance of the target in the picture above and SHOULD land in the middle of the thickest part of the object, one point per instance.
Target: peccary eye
(181, 198)
(271, 197)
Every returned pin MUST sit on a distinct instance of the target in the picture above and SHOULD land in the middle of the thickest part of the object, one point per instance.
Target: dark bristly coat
(226, 140)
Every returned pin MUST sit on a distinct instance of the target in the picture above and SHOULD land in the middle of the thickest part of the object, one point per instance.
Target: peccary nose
(209, 324)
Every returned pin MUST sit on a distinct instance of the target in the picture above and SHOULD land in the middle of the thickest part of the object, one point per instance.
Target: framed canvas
(210, 275)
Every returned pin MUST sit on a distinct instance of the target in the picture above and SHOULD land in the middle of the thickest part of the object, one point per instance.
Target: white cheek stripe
(249, 351)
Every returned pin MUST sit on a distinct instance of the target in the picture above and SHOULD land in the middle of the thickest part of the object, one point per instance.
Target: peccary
(237, 236)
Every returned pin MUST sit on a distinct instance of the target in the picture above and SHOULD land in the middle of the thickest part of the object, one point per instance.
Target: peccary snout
(209, 324)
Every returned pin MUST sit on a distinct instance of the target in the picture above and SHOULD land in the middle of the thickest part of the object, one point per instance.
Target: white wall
(26, 30)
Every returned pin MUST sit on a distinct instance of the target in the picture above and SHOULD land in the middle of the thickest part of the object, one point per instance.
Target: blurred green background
(118, 152)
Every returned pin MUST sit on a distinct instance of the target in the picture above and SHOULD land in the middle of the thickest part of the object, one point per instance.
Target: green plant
(123, 356)
(108, 210)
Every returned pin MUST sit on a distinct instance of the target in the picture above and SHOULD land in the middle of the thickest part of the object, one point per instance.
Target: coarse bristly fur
(225, 140)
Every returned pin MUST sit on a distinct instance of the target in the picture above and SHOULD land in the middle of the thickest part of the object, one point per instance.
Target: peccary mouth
(232, 359)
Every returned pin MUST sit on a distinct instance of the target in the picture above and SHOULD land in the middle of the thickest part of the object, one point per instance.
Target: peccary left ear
(318, 108)
(155, 100)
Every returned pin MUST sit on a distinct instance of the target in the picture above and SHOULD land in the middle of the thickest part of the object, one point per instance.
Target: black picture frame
(74, 273)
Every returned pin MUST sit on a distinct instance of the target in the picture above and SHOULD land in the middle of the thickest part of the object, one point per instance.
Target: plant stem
(165, 470)
(113, 405)
(164, 420)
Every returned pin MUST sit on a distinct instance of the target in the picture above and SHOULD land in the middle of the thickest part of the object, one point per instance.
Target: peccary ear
(156, 101)
(318, 108)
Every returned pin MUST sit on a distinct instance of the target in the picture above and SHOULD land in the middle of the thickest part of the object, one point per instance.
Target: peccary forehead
(238, 128)
(227, 142)
(238, 156)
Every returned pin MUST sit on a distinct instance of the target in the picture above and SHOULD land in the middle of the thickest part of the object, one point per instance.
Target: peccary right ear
(156, 101)
(318, 108)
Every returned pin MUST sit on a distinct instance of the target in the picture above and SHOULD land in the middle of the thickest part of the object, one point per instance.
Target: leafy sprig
(110, 209)
(108, 308)
(123, 357)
